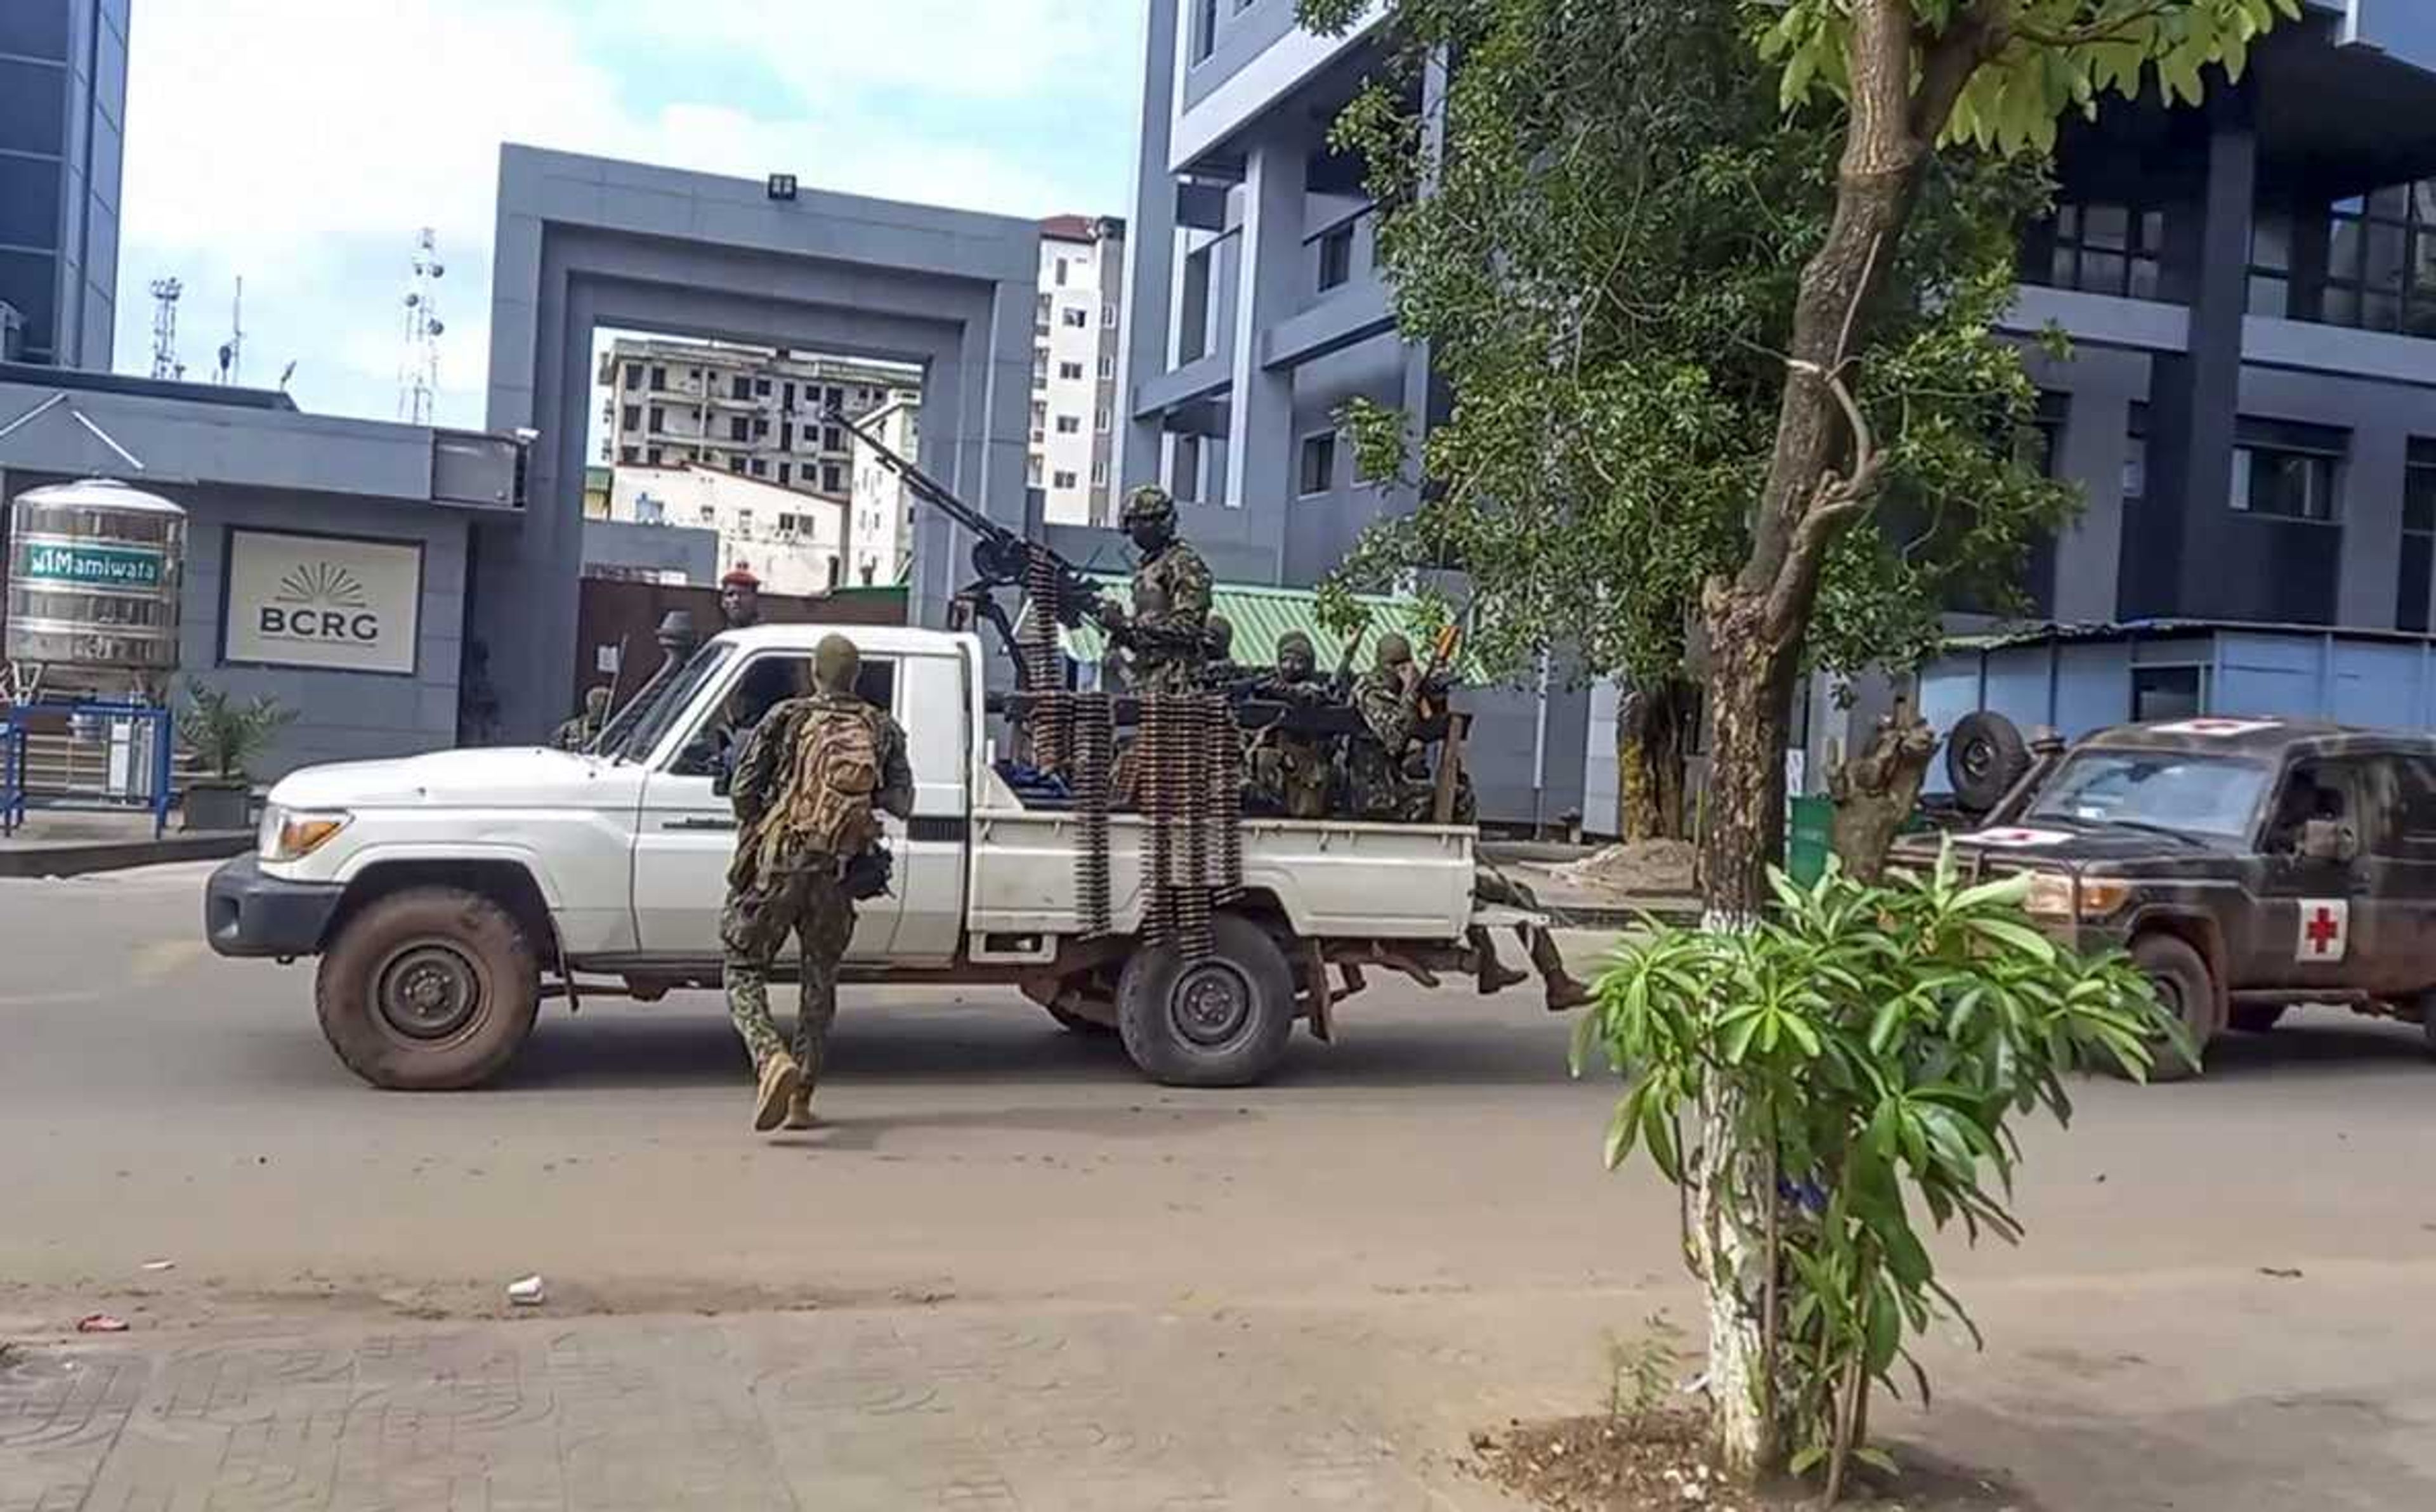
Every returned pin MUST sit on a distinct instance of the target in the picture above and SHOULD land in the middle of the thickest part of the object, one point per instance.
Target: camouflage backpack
(827, 808)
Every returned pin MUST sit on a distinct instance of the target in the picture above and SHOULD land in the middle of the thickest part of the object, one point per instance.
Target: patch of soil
(1660, 1463)
(1636, 866)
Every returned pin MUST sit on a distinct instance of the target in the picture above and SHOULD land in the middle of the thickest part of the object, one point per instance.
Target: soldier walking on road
(815, 775)
(1167, 636)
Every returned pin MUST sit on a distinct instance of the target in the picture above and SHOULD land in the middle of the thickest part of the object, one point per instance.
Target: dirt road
(1407, 1234)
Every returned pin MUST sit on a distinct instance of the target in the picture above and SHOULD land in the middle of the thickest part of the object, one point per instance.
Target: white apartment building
(795, 542)
(752, 411)
(879, 531)
(1074, 367)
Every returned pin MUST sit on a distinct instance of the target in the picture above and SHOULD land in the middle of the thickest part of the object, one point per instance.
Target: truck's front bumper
(246, 913)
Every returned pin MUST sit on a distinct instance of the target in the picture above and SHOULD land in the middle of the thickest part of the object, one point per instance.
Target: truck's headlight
(2052, 895)
(288, 836)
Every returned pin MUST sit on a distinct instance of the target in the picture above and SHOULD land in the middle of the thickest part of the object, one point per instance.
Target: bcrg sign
(319, 601)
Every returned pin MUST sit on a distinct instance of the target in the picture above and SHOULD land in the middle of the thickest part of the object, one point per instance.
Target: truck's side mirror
(2328, 841)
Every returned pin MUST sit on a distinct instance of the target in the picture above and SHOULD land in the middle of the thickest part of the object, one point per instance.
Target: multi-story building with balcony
(879, 518)
(2250, 290)
(754, 411)
(63, 140)
(1074, 366)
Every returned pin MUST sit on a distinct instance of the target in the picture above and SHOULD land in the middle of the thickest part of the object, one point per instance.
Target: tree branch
(1835, 502)
(2107, 30)
(1948, 62)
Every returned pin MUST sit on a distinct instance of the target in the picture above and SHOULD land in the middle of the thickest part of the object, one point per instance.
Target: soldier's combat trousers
(811, 906)
(1489, 885)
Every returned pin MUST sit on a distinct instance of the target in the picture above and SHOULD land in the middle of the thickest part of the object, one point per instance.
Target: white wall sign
(315, 600)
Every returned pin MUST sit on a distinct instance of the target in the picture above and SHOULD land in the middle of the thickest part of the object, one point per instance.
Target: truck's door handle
(696, 823)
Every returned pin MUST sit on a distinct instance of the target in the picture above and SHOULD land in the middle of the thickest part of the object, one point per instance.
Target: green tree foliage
(1877, 1043)
(1605, 268)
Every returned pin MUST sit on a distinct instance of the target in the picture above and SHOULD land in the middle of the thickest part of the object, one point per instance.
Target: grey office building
(63, 139)
(2250, 288)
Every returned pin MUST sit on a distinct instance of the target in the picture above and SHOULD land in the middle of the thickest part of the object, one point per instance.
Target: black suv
(2247, 865)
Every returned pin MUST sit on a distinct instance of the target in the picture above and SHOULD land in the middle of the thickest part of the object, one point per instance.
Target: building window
(2418, 535)
(1107, 368)
(2135, 456)
(1061, 480)
(786, 398)
(708, 515)
(1107, 314)
(1061, 272)
(629, 417)
(744, 522)
(633, 377)
(1318, 471)
(660, 378)
(1101, 421)
(760, 428)
(2167, 693)
(832, 477)
(785, 470)
(1100, 475)
(1048, 309)
(659, 418)
(2108, 250)
(1079, 318)
(1204, 29)
(760, 388)
(736, 465)
(2381, 261)
(1032, 472)
(740, 427)
(832, 439)
(652, 457)
(744, 386)
(2286, 471)
(1069, 424)
(1337, 257)
(757, 468)
(1184, 469)
(1069, 371)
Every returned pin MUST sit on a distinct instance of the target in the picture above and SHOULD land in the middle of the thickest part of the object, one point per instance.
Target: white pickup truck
(447, 895)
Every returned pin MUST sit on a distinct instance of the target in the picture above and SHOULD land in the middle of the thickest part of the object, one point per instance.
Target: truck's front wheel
(1220, 1021)
(429, 989)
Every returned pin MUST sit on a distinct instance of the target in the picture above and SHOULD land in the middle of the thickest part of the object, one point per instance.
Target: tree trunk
(1650, 725)
(1750, 689)
(1876, 792)
(1748, 1425)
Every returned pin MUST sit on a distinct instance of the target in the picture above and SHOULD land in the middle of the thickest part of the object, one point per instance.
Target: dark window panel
(30, 202)
(35, 29)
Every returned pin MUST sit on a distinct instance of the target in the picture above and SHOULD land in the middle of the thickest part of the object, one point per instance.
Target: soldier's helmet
(1149, 502)
(1294, 642)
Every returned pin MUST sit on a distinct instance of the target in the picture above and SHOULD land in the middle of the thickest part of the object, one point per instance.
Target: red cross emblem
(2325, 926)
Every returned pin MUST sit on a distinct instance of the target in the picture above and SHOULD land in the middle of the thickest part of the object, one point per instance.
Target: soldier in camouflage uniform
(1168, 642)
(578, 732)
(1391, 782)
(1222, 672)
(1288, 772)
(778, 885)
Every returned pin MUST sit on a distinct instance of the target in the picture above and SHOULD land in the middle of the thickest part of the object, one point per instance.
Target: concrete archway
(589, 243)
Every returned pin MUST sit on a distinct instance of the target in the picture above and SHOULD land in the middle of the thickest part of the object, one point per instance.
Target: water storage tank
(93, 587)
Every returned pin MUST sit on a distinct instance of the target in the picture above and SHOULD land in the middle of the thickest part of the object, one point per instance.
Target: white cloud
(300, 143)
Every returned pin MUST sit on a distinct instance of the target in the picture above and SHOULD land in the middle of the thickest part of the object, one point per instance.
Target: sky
(302, 144)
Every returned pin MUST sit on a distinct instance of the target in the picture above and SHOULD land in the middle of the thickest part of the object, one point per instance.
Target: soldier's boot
(1564, 989)
(1495, 975)
(782, 1078)
(799, 1109)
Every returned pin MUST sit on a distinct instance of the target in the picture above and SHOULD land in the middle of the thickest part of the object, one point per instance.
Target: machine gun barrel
(1001, 557)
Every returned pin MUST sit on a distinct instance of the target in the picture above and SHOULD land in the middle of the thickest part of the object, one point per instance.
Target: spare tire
(1984, 757)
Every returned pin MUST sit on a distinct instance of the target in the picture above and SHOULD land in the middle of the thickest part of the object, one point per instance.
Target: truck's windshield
(638, 728)
(2165, 789)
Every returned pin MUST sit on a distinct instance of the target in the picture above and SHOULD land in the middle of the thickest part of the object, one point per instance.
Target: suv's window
(637, 727)
(2408, 832)
(2346, 790)
(2162, 789)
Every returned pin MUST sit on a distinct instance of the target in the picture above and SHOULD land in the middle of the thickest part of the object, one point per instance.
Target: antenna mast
(418, 369)
(233, 350)
(165, 329)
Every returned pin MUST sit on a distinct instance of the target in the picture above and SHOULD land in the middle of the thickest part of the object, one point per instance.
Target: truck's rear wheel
(431, 989)
(2180, 974)
(1222, 1021)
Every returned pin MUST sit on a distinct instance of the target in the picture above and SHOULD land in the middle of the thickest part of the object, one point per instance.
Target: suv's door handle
(696, 823)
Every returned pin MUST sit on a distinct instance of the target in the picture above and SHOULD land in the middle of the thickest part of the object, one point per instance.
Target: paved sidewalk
(1113, 1408)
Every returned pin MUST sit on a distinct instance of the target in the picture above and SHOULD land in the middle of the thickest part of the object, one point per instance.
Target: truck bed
(1332, 879)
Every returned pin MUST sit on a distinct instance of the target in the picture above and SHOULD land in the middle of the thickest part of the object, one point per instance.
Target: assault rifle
(1001, 558)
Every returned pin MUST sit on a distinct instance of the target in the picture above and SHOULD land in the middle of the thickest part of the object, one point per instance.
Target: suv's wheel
(1222, 1021)
(431, 989)
(2186, 991)
(1984, 757)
